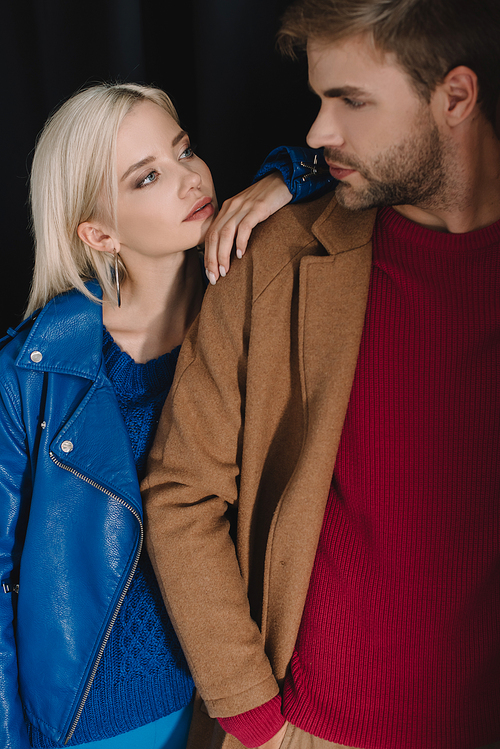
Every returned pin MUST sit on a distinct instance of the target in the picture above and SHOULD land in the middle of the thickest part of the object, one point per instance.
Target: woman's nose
(190, 179)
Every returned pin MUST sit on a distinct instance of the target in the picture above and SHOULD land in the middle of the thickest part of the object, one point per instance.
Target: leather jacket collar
(50, 345)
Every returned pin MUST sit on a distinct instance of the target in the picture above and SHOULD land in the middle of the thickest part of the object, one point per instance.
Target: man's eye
(353, 103)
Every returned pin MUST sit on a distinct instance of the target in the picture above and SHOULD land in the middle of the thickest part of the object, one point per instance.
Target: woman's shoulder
(69, 324)
(11, 346)
(14, 339)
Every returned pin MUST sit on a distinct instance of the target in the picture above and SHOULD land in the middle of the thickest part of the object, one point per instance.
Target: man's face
(379, 137)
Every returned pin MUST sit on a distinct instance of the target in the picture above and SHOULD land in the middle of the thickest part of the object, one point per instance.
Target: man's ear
(96, 237)
(455, 98)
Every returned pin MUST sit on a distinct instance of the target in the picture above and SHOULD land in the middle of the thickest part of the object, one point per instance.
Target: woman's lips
(202, 210)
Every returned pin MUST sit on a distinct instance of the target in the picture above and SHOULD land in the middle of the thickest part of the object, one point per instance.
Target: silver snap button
(67, 446)
(36, 356)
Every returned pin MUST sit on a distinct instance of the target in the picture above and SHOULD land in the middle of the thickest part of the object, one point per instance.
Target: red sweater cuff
(256, 726)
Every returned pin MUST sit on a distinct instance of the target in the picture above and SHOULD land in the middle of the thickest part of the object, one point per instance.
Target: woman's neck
(159, 301)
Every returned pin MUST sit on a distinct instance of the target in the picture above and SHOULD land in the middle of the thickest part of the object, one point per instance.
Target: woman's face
(166, 197)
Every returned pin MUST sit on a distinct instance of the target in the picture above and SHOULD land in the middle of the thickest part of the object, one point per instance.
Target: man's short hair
(428, 37)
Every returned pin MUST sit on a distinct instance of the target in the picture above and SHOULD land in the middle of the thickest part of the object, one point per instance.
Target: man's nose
(325, 130)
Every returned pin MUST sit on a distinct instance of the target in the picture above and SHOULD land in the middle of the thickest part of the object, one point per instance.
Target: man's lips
(202, 209)
(339, 172)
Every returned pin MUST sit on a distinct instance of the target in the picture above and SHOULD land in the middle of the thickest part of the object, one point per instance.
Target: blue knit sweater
(143, 674)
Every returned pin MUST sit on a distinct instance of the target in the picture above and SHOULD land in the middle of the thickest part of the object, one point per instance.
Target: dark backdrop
(216, 58)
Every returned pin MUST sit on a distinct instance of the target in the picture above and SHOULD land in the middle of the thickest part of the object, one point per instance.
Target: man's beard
(411, 172)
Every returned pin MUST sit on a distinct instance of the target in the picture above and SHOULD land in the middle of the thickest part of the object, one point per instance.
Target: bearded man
(324, 491)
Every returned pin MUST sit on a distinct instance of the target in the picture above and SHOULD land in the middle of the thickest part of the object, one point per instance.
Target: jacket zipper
(124, 591)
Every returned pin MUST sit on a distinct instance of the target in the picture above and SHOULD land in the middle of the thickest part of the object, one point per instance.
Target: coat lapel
(333, 291)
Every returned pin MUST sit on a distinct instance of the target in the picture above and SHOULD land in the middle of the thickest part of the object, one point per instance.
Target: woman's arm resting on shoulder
(288, 174)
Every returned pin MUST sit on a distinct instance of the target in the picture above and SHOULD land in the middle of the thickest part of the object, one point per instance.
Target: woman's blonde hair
(73, 180)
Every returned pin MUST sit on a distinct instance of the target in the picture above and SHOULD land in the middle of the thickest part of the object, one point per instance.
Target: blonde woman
(120, 204)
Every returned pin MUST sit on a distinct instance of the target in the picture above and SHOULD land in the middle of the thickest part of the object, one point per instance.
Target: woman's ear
(96, 237)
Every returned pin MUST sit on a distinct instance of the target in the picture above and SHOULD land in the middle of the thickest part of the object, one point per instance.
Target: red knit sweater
(399, 646)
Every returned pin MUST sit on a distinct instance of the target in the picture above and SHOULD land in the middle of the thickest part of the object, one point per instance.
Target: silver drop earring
(117, 279)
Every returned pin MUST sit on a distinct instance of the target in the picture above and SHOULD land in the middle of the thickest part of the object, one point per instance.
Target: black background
(216, 58)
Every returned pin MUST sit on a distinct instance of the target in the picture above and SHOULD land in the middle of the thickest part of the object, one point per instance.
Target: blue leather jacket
(304, 171)
(70, 513)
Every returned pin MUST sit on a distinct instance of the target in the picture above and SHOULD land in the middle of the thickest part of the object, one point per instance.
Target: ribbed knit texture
(256, 726)
(143, 675)
(399, 646)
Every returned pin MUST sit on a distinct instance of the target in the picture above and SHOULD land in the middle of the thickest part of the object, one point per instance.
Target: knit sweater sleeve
(256, 726)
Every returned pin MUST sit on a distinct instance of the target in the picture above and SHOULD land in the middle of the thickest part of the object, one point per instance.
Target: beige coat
(259, 400)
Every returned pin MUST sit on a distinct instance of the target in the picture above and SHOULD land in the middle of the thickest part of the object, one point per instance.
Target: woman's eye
(151, 177)
(187, 153)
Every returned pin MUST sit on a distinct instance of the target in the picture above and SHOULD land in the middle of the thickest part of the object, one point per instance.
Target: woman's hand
(236, 219)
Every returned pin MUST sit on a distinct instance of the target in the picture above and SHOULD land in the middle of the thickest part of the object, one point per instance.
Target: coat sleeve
(192, 481)
(15, 493)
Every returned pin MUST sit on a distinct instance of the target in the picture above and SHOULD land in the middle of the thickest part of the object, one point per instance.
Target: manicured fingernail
(239, 254)
(211, 277)
(222, 271)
